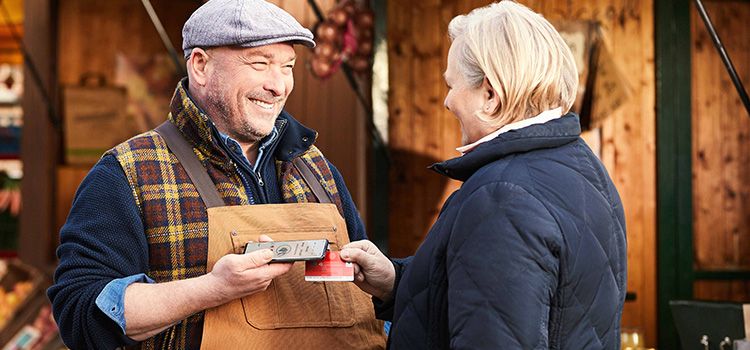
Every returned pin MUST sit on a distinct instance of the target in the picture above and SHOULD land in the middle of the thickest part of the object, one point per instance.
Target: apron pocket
(292, 302)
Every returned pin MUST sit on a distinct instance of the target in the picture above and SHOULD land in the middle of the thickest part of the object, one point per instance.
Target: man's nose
(275, 84)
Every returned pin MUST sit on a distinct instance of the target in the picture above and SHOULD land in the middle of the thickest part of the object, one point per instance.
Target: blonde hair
(522, 56)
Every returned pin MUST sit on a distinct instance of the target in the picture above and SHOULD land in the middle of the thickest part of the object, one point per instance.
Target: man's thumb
(259, 258)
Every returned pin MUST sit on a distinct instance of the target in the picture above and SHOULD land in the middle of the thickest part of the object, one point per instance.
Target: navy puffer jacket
(529, 253)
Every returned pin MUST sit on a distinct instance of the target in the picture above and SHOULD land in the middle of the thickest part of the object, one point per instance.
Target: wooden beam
(673, 120)
(40, 143)
(722, 275)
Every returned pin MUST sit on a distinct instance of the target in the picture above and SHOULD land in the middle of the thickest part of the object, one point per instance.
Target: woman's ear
(491, 99)
(198, 66)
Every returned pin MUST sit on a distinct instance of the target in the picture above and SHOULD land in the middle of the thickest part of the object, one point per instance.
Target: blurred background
(79, 76)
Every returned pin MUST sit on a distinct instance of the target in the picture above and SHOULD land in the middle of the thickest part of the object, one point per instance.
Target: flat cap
(245, 23)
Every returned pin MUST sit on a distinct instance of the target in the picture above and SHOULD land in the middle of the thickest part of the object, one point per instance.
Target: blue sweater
(103, 240)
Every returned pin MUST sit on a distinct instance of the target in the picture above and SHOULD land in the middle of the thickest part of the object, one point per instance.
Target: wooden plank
(673, 155)
(633, 153)
(647, 125)
(400, 110)
(418, 90)
(708, 212)
(733, 19)
(427, 101)
(736, 291)
(720, 141)
(39, 154)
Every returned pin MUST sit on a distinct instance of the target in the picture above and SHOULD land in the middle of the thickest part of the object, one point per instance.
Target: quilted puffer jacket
(530, 252)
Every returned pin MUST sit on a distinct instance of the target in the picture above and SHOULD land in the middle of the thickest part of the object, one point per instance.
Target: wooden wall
(721, 151)
(421, 131)
(91, 33)
(39, 153)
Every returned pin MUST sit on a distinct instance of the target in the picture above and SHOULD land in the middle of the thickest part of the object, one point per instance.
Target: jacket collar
(554, 133)
(294, 138)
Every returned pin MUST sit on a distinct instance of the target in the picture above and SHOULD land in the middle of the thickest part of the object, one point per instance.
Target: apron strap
(195, 170)
(311, 180)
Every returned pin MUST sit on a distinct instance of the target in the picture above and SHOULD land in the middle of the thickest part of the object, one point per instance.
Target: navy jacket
(529, 253)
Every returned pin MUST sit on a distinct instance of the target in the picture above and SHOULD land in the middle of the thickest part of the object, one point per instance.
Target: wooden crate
(96, 119)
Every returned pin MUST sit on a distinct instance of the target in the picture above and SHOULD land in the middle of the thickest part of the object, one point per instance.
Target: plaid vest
(174, 215)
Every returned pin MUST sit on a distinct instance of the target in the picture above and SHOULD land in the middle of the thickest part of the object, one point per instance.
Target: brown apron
(291, 313)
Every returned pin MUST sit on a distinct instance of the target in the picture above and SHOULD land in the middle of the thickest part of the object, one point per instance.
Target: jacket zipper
(248, 189)
(269, 156)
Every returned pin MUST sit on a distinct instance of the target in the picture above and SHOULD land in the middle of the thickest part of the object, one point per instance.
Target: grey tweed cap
(245, 23)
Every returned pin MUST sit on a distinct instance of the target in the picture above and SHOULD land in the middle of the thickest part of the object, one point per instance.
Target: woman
(530, 252)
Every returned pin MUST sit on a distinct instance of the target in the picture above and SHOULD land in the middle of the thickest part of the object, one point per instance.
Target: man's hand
(239, 275)
(152, 307)
(373, 271)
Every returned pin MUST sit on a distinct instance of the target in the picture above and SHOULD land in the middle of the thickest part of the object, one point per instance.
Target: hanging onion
(338, 16)
(345, 36)
(365, 19)
(328, 32)
(320, 67)
(349, 8)
(325, 49)
(364, 48)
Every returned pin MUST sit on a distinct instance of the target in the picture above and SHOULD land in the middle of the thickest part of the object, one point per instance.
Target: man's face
(464, 101)
(247, 88)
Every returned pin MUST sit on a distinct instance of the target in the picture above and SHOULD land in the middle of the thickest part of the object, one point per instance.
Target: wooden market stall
(675, 145)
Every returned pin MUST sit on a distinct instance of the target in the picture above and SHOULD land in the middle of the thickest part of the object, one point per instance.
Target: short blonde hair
(522, 56)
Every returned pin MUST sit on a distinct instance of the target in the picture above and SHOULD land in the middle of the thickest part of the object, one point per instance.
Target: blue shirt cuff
(111, 300)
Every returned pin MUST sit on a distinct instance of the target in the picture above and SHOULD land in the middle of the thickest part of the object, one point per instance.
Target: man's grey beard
(223, 115)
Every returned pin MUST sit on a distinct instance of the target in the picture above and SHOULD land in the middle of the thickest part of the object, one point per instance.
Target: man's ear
(197, 66)
(491, 98)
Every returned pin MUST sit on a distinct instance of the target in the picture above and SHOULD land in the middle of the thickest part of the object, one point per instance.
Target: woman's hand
(373, 271)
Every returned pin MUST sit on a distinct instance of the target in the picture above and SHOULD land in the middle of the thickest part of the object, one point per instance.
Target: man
(133, 252)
